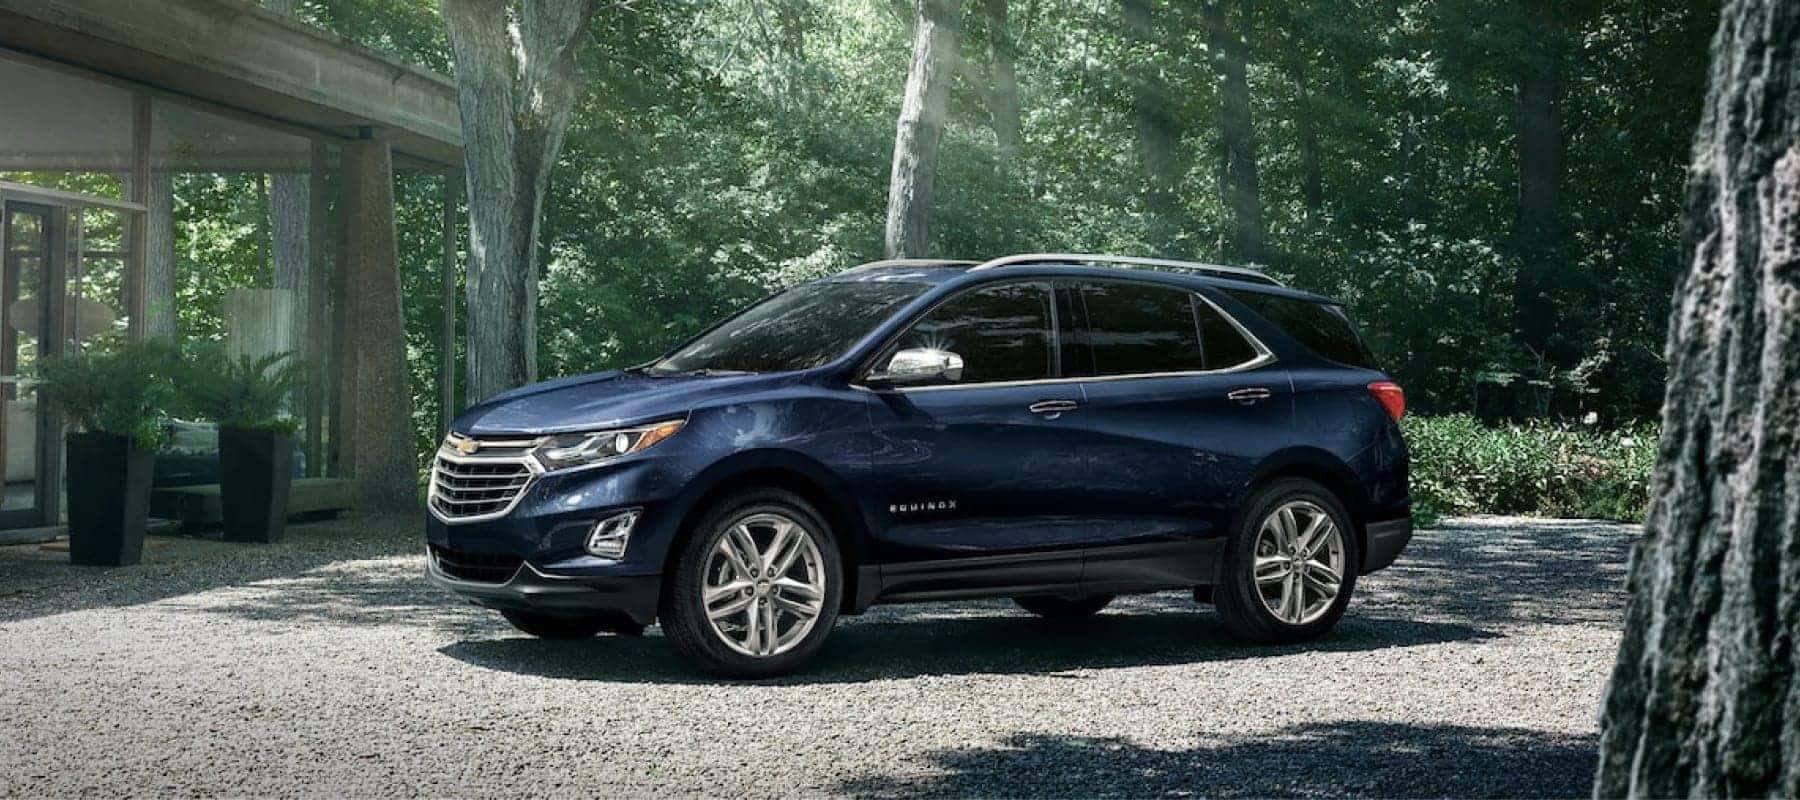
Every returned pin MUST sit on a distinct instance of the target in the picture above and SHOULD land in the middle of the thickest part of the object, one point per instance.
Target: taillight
(1391, 397)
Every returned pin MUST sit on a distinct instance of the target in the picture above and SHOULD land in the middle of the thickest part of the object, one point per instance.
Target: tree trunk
(1159, 133)
(159, 258)
(1237, 132)
(288, 205)
(921, 128)
(1538, 234)
(516, 86)
(1705, 698)
(1003, 95)
(1312, 180)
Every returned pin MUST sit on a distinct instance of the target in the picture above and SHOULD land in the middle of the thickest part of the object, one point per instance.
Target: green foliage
(123, 389)
(242, 392)
(1460, 466)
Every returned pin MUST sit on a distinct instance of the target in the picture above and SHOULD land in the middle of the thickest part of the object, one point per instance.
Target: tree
(920, 129)
(1159, 130)
(1237, 130)
(1705, 697)
(515, 77)
(1002, 93)
(1538, 234)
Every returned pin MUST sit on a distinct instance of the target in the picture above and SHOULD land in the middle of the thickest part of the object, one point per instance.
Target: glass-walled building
(205, 171)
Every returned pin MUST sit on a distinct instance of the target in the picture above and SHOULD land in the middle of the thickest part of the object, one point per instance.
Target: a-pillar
(377, 395)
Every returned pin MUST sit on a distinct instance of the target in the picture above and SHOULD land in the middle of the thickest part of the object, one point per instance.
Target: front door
(981, 474)
(33, 241)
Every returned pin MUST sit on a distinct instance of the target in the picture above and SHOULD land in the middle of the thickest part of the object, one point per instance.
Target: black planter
(255, 473)
(109, 499)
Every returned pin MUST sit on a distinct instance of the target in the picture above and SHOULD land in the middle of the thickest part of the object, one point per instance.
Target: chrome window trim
(1264, 357)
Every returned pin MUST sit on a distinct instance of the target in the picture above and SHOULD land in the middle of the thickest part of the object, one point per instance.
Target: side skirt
(1118, 569)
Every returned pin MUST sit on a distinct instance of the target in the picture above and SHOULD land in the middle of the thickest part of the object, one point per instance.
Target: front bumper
(633, 597)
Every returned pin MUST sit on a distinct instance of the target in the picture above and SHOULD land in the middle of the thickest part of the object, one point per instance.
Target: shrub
(123, 390)
(1460, 466)
(244, 392)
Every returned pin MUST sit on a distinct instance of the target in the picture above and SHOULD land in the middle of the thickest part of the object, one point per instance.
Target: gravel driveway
(326, 666)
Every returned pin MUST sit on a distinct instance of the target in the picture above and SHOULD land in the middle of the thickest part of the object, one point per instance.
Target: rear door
(1183, 403)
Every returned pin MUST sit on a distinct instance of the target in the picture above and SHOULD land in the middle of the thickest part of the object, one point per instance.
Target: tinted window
(1225, 346)
(1322, 328)
(803, 327)
(1138, 328)
(1001, 332)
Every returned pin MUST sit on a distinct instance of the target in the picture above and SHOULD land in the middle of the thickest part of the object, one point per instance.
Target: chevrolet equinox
(1057, 429)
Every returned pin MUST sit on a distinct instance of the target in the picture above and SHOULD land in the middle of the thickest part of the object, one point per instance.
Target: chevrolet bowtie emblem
(467, 446)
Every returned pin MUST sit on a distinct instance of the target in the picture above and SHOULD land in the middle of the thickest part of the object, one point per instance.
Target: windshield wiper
(706, 372)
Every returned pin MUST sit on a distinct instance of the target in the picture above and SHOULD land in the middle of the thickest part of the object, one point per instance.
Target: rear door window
(1323, 328)
(1138, 328)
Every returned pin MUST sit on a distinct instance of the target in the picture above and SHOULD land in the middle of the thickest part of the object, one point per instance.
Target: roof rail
(1073, 259)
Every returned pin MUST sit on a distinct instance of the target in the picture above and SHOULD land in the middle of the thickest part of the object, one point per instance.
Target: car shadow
(908, 644)
(1339, 759)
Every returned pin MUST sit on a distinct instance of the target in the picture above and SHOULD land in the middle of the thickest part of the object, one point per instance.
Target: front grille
(476, 488)
(477, 567)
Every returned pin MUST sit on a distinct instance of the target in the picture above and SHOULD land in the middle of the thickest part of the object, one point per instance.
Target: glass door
(33, 240)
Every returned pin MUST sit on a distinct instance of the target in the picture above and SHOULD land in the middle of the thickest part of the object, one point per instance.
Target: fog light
(610, 534)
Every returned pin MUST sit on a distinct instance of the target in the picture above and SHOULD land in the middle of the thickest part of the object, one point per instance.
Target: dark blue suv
(1059, 429)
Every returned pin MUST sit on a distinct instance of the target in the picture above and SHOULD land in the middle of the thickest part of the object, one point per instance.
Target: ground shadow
(920, 643)
(1346, 759)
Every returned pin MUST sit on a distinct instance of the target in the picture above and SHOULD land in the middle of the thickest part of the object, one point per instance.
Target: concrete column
(380, 398)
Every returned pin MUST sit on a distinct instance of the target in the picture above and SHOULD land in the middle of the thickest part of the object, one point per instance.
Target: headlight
(579, 449)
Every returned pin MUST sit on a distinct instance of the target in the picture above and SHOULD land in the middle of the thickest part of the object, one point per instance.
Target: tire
(1249, 609)
(735, 647)
(554, 626)
(1064, 607)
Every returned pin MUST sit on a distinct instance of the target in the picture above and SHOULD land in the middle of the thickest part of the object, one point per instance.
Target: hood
(602, 400)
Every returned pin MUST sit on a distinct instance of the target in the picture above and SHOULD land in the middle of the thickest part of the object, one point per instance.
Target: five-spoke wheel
(756, 586)
(1290, 564)
(765, 584)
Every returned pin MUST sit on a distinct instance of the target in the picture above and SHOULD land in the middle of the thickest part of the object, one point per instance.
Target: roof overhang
(246, 59)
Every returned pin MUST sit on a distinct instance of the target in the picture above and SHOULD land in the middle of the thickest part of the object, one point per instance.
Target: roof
(1069, 265)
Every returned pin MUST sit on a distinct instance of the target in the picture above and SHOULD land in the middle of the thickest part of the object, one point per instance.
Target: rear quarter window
(1323, 328)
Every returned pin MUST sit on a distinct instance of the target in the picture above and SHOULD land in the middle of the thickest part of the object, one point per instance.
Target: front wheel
(1290, 565)
(757, 586)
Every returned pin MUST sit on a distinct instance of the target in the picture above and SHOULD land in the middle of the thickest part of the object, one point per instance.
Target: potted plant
(115, 402)
(247, 397)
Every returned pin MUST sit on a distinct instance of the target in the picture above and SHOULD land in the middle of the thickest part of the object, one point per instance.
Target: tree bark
(1312, 179)
(1159, 133)
(1003, 95)
(1705, 697)
(1538, 232)
(516, 87)
(920, 129)
(1238, 180)
(159, 258)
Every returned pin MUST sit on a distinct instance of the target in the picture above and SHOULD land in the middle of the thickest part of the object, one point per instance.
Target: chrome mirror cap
(920, 365)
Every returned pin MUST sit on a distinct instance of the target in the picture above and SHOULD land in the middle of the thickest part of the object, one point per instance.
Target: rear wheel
(756, 587)
(1290, 565)
(554, 626)
(1064, 607)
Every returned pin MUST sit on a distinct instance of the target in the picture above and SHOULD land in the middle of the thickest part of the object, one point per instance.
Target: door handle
(1248, 395)
(1053, 407)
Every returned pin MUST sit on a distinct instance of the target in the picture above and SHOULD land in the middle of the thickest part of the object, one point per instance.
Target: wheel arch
(788, 471)
(1323, 468)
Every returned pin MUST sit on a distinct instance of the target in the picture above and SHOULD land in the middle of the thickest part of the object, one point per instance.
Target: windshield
(803, 327)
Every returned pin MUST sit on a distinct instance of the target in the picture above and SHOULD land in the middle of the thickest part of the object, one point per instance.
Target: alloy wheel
(764, 585)
(1299, 564)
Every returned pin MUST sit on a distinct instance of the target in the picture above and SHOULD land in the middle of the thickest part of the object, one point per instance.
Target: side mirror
(918, 365)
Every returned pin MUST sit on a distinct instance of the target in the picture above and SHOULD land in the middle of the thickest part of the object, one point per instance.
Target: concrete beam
(238, 55)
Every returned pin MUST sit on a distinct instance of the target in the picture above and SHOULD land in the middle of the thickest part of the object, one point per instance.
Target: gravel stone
(326, 666)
